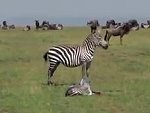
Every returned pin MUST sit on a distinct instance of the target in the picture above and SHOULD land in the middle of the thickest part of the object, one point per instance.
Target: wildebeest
(133, 24)
(11, 26)
(59, 26)
(44, 25)
(5, 23)
(37, 25)
(27, 28)
(109, 23)
(47, 26)
(52, 27)
(143, 25)
(120, 31)
(5, 26)
(93, 24)
(148, 22)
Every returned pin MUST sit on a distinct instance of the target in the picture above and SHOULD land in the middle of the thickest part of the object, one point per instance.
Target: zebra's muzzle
(105, 47)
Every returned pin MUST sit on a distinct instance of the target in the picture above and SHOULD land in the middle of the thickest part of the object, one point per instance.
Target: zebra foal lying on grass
(73, 56)
(83, 88)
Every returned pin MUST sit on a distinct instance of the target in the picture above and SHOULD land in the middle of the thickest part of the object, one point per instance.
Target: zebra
(80, 89)
(83, 88)
(74, 55)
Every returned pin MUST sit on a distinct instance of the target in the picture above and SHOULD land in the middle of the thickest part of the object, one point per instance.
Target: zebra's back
(65, 54)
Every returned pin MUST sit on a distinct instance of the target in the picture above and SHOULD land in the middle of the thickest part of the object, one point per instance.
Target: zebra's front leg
(85, 68)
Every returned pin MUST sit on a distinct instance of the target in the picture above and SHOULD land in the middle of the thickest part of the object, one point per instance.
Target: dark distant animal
(74, 55)
(148, 22)
(5, 23)
(59, 26)
(27, 28)
(37, 25)
(5, 26)
(143, 25)
(109, 23)
(47, 26)
(52, 27)
(93, 24)
(133, 24)
(120, 31)
(11, 26)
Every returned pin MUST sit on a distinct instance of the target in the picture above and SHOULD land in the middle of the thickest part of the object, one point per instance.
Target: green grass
(122, 73)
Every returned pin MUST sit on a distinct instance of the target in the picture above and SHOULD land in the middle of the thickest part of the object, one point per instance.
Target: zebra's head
(99, 40)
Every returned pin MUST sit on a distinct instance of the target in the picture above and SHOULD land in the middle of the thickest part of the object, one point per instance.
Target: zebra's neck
(89, 46)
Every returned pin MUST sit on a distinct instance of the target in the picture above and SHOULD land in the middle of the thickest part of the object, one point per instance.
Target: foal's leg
(51, 71)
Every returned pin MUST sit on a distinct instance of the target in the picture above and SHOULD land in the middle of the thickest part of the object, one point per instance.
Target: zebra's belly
(72, 64)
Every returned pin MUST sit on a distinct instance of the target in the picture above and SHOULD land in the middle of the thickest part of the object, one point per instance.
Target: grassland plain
(122, 73)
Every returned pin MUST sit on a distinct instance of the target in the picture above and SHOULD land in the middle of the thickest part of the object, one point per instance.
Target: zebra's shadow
(58, 84)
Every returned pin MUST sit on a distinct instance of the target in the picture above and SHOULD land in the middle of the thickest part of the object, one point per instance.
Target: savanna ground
(121, 73)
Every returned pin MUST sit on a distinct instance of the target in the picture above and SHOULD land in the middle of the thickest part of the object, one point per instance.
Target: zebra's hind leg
(51, 71)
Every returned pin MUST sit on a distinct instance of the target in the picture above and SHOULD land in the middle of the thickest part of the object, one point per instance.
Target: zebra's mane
(89, 37)
(68, 45)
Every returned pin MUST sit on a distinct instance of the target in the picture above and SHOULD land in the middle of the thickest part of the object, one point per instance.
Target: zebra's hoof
(50, 83)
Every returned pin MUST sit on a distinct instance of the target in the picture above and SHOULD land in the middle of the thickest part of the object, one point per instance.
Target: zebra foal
(73, 56)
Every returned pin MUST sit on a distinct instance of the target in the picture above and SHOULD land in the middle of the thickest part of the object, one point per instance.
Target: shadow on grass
(58, 84)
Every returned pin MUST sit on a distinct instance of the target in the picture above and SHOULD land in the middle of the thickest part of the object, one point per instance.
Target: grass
(122, 73)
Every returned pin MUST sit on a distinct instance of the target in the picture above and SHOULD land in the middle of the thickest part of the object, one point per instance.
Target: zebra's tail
(105, 38)
(45, 56)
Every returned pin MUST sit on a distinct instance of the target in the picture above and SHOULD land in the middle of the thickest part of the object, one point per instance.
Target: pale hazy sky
(74, 8)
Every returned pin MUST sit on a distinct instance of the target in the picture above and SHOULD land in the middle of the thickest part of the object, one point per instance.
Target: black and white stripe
(73, 56)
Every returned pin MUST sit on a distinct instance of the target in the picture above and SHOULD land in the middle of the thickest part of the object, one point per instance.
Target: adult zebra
(73, 56)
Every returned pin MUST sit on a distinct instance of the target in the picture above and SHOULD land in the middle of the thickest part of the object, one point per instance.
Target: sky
(12, 9)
